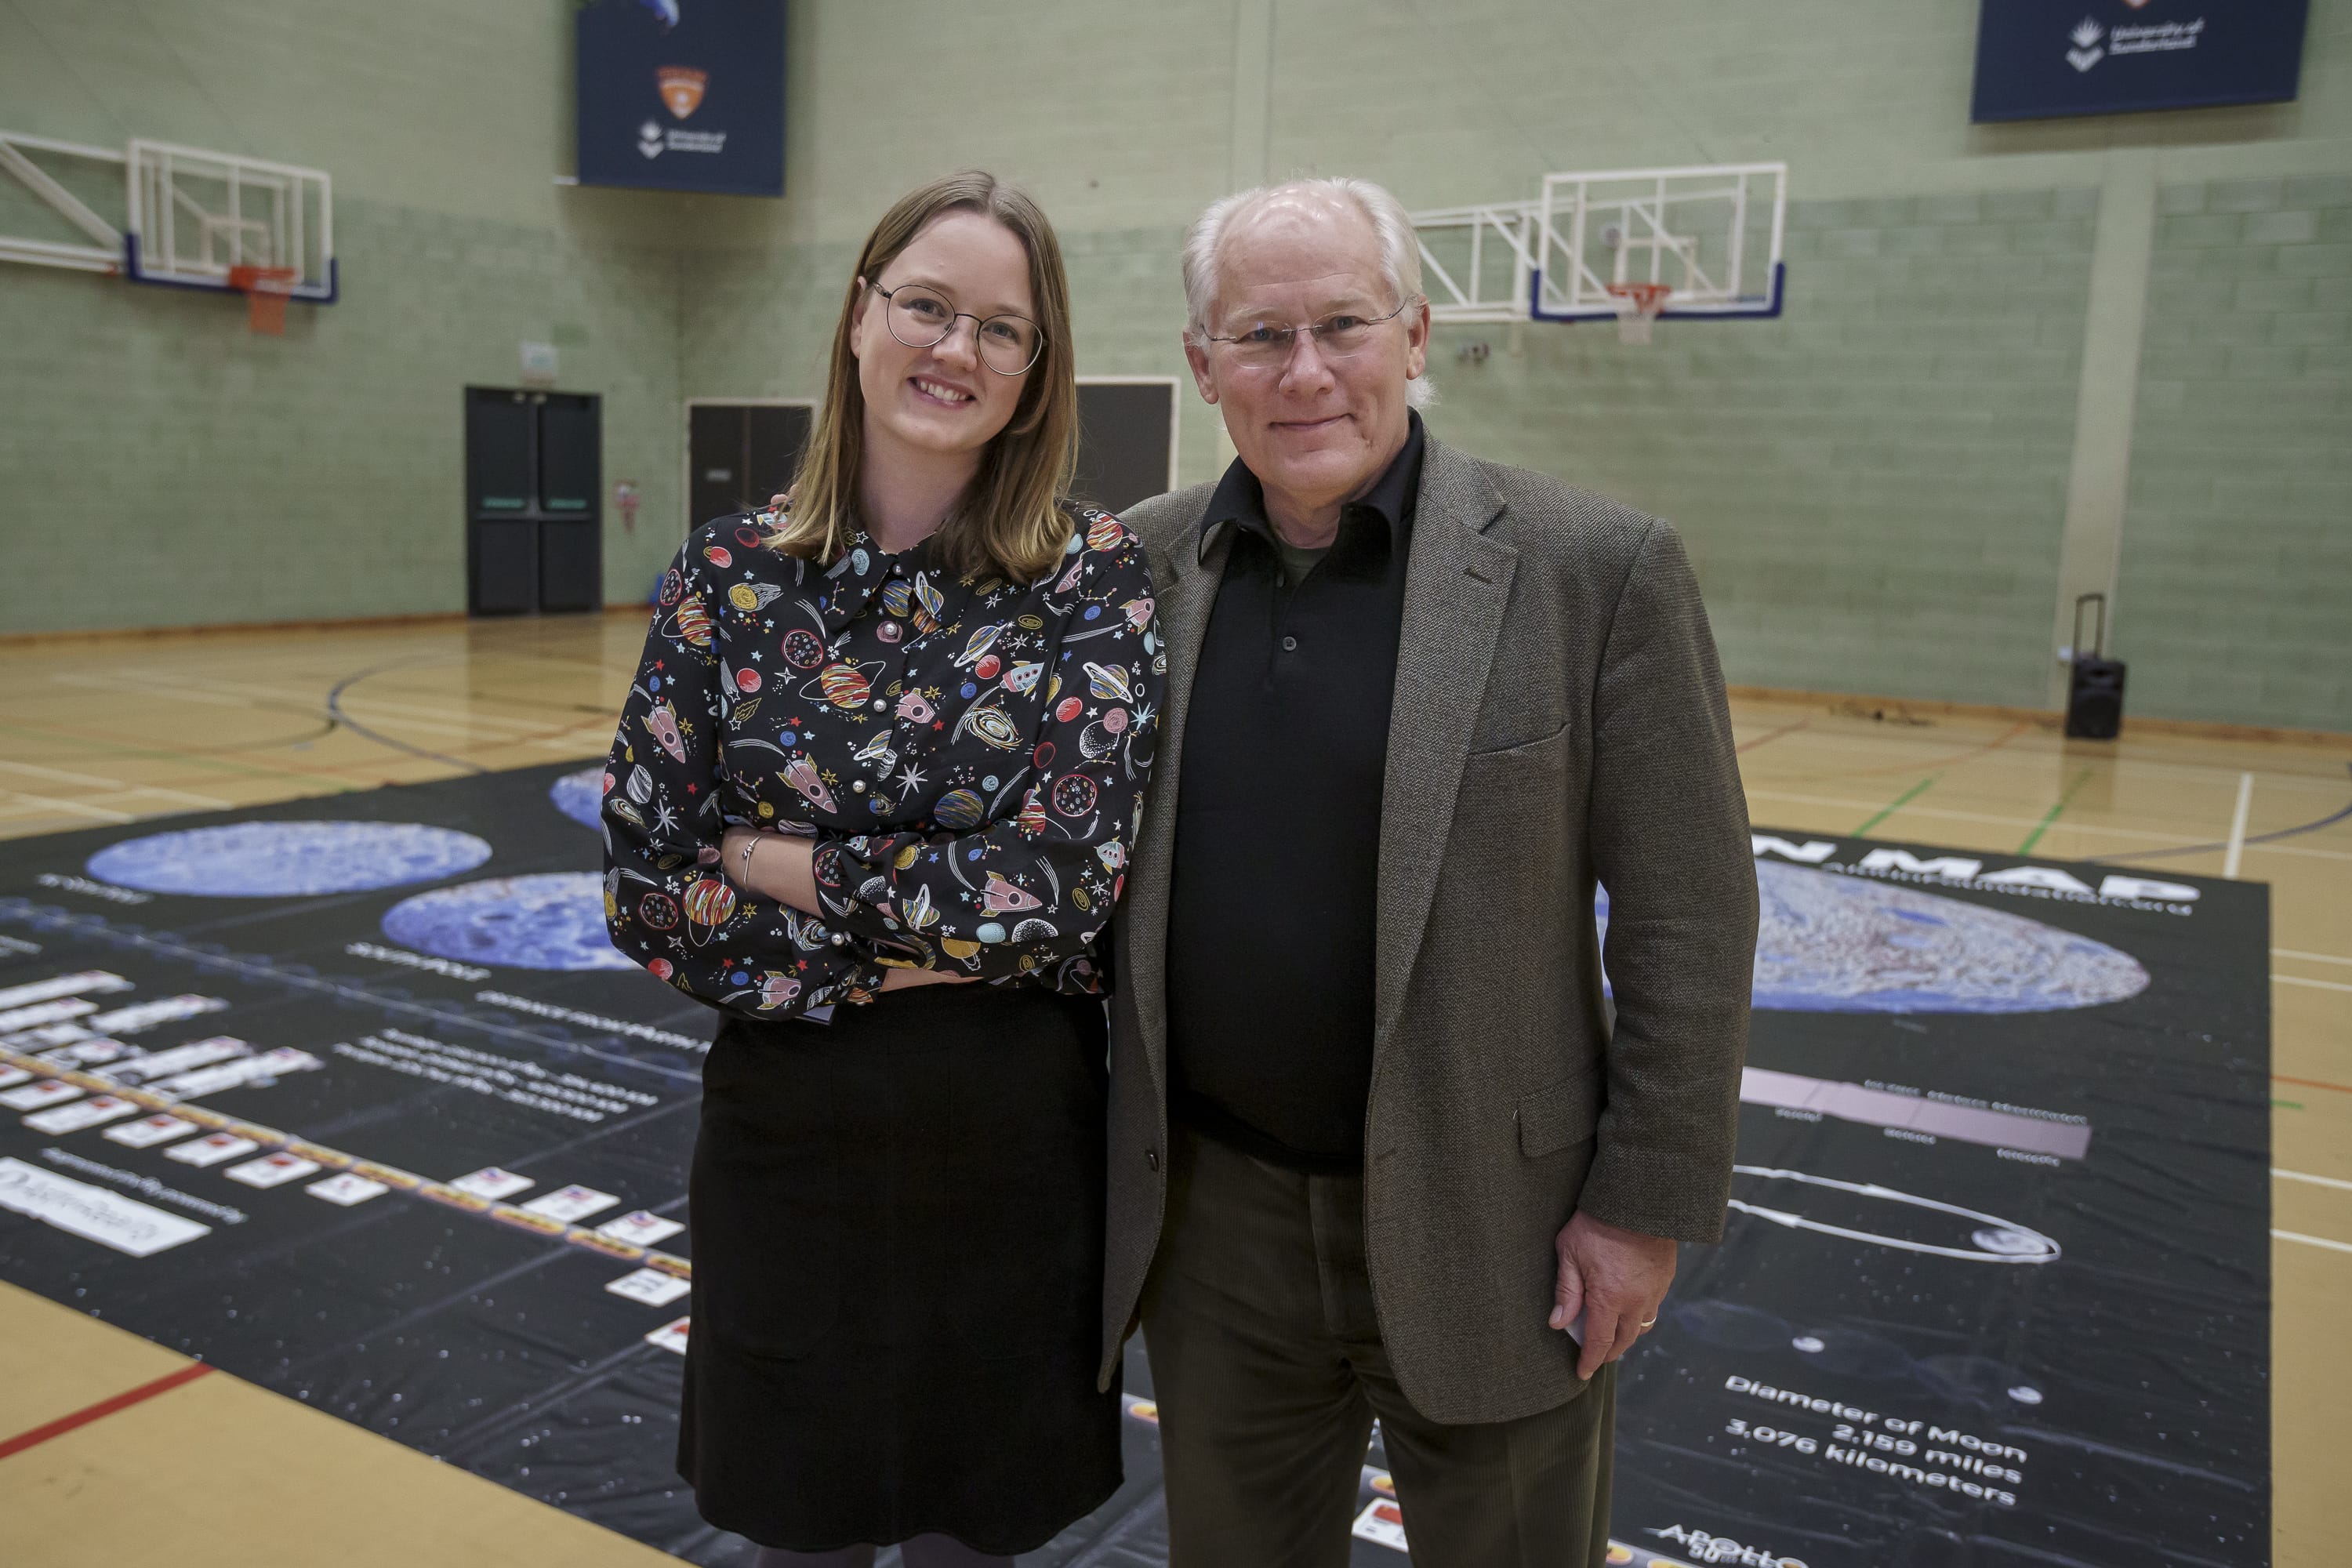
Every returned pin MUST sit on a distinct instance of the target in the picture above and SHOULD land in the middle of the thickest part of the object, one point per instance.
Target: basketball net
(266, 290)
(1638, 305)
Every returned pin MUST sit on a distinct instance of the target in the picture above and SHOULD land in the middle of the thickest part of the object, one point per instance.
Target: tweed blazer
(1559, 721)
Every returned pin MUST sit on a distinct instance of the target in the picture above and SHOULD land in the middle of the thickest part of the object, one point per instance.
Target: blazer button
(1152, 1158)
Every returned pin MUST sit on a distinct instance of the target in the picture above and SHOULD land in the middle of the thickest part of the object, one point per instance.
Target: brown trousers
(1267, 1367)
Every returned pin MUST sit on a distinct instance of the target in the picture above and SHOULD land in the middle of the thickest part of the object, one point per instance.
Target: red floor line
(2311, 1083)
(1783, 730)
(104, 1408)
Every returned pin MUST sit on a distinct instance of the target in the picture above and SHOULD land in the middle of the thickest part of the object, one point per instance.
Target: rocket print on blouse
(970, 753)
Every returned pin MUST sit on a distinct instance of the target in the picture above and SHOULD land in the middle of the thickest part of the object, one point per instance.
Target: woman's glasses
(922, 318)
(1265, 346)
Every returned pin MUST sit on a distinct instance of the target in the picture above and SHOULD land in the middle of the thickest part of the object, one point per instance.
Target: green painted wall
(2239, 535)
(1879, 489)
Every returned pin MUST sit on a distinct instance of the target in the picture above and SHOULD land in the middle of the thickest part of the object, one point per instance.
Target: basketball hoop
(1638, 305)
(265, 292)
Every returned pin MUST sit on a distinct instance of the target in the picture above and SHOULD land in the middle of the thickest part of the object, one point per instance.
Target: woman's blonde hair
(1011, 518)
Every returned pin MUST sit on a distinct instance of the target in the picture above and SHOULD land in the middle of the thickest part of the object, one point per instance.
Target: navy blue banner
(683, 95)
(2036, 59)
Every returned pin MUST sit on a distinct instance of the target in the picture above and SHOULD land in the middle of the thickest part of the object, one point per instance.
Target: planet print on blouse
(969, 752)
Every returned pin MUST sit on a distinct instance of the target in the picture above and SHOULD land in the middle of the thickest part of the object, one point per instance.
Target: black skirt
(898, 1243)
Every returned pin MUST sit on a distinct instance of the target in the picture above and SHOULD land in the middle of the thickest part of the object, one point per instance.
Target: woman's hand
(771, 865)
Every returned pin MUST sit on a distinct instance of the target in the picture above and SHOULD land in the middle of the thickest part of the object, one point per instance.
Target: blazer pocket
(1541, 745)
(1558, 1116)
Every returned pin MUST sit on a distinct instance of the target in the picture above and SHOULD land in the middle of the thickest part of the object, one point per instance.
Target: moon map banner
(349, 1098)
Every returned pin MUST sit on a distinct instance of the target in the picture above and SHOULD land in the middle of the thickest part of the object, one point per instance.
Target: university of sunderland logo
(681, 88)
(2086, 52)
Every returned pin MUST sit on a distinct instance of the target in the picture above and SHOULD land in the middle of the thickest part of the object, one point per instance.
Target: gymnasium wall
(163, 466)
(1985, 396)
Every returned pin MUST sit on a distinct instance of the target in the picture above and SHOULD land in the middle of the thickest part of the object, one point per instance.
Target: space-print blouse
(970, 753)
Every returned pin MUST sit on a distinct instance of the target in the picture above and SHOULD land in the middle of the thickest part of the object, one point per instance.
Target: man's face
(1316, 430)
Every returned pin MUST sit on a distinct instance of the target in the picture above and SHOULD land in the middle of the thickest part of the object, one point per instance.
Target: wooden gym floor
(201, 1468)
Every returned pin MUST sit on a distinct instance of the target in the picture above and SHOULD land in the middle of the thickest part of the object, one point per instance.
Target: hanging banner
(2036, 61)
(683, 95)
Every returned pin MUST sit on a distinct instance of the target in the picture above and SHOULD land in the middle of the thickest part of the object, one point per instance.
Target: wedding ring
(1649, 1322)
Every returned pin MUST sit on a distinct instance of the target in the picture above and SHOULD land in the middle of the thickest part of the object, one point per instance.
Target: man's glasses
(1265, 346)
(921, 318)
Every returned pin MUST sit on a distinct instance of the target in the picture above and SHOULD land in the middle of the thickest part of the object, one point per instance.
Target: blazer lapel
(1457, 581)
(1191, 593)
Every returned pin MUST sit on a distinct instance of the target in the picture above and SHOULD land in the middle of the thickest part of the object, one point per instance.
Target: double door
(534, 532)
(738, 454)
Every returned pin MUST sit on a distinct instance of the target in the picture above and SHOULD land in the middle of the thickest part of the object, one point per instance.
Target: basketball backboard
(190, 218)
(1587, 243)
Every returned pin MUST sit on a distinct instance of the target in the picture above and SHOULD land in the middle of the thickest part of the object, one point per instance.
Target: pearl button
(858, 787)
(838, 939)
(879, 704)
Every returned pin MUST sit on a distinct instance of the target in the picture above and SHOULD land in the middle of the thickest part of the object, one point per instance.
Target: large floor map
(354, 1099)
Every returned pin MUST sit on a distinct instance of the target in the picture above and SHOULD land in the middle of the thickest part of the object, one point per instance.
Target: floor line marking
(2238, 826)
(2312, 1240)
(105, 1408)
(2315, 1181)
(2308, 957)
(1940, 764)
(2050, 817)
(2311, 1083)
(274, 773)
(2330, 820)
(2315, 984)
(1783, 730)
(113, 787)
(2290, 1104)
(1990, 819)
(1897, 804)
(70, 807)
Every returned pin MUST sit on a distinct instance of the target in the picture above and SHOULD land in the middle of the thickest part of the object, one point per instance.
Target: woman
(888, 738)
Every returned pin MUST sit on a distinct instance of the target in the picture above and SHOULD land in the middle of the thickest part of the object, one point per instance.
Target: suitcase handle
(2099, 648)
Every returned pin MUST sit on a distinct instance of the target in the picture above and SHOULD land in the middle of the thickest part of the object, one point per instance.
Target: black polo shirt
(1273, 906)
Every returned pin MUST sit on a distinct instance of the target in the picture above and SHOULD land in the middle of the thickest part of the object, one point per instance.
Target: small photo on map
(212, 1150)
(651, 1286)
(271, 1169)
(489, 1181)
(150, 1131)
(641, 1228)
(571, 1204)
(346, 1190)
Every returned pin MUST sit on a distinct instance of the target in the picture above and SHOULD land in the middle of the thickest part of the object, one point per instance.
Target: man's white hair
(1400, 248)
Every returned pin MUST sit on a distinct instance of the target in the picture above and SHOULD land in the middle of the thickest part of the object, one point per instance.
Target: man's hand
(1617, 1279)
(902, 979)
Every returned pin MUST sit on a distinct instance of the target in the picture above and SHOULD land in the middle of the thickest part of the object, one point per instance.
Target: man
(1375, 1147)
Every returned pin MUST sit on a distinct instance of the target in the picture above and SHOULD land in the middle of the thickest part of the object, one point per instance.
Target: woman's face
(943, 399)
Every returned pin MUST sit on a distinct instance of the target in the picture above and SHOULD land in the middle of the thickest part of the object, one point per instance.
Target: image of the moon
(287, 859)
(580, 795)
(552, 920)
(1828, 943)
